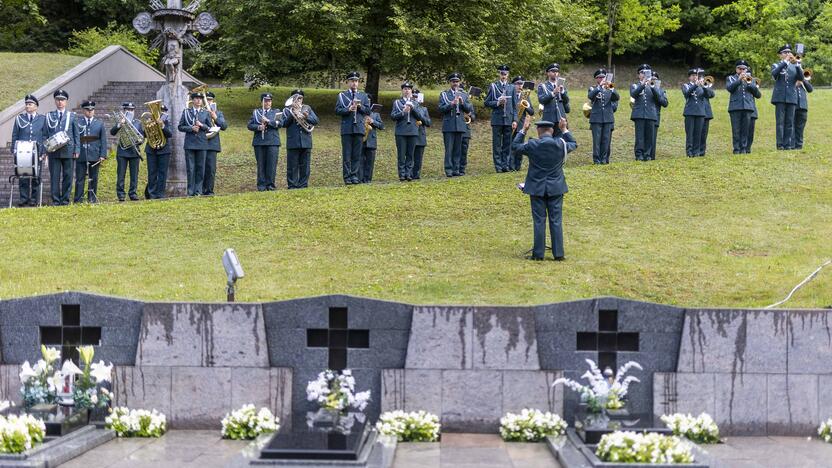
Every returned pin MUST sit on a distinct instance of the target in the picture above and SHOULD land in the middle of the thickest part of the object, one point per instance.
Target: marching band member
(501, 100)
(368, 152)
(128, 157)
(516, 160)
(195, 123)
(786, 73)
(802, 112)
(741, 105)
(30, 126)
(214, 144)
(352, 105)
(453, 104)
(61, 160)
(466, 141)
(266, 141)
(645, 100)
(662, 102)
(298, 142)
(92, 152)
(158, 160)
(406, 115)
(601, 117)
(753, 123)
(709, 115)
(422, 142)
(553, 97)
(545, 183)
(694, 113)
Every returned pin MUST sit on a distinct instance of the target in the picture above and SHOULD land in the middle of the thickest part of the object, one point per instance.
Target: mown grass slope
(23, 73)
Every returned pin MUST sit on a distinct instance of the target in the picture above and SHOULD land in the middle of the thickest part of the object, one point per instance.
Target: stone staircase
(107, 100)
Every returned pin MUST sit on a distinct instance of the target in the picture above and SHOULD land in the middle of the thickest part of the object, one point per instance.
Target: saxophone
(152, 128)
(524, 104)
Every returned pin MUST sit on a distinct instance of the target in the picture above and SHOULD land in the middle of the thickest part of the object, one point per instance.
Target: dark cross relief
(608, 341)
(338, 338)
(70, 334)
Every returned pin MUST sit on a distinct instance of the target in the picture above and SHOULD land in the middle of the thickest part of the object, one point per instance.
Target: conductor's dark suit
(545, 185)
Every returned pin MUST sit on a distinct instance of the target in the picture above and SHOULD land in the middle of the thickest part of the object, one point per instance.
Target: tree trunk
(373, 78)
(612, 13)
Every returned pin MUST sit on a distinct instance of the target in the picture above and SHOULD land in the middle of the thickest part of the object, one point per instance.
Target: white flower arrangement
(416, 426)
(20, 433)
(531, 425)
(88, 391)
(335, 390)
(700, 429)
(41, 383)
(602, 393)
(248, 423)
(825, 430)
(136, 423)
(633, 447)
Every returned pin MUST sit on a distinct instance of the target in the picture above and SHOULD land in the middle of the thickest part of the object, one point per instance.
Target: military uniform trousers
(463, 157)
(751, 126)
(29, 186)
(740, 126)
(693, 134)
(601, 142)
(60, 179)
(195, 166)
(405, 147)
(418, 157)
(210, 172)
(122, 164)
(453, 153)
(501, 147)
(800, 117)
(82, 170)
(784, 116)
(368, 162)
(547, 207)
(645, 136)
(351, 146)
(266, 157)
(297, 167)
(516, 160)
(703, 142)
(157, 174)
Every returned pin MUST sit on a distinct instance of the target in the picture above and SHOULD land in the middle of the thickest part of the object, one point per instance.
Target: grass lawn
(716, 231)
(22, 74)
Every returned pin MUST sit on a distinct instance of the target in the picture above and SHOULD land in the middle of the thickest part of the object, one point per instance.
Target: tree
(90, 41)
(394, 37)
(630, 24)
(752, 30)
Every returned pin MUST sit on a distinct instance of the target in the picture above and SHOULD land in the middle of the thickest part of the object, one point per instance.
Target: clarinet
(456, 95)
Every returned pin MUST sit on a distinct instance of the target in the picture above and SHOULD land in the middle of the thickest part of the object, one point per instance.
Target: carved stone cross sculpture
(175, 26)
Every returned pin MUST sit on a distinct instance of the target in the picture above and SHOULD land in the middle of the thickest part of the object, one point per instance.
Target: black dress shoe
(22, 204)
(134, 198)
(532, 257)
(120, 199)
(560, 259)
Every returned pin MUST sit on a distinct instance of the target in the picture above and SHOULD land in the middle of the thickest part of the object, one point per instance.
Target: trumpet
(708, 81)
(808, 74)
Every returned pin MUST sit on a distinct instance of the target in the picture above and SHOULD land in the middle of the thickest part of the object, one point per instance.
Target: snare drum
(26, 159)
(56, 142)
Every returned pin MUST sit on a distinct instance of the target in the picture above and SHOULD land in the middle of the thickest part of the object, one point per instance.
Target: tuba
(199, 89)
(152, 128)
(297, 110)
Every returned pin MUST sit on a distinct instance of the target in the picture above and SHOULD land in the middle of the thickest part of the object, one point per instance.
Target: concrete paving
(205, 449)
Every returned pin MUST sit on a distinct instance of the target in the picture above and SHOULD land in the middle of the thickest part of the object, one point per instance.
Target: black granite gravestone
(312, 442)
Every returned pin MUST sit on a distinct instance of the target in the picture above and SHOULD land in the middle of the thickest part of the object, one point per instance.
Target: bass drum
(26, 159)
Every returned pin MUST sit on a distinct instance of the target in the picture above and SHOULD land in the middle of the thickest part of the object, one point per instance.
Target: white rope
(801, 284)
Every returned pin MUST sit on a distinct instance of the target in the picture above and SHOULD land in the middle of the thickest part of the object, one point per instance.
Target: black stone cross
(608, 341)
(70, 334)
(338, 338)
